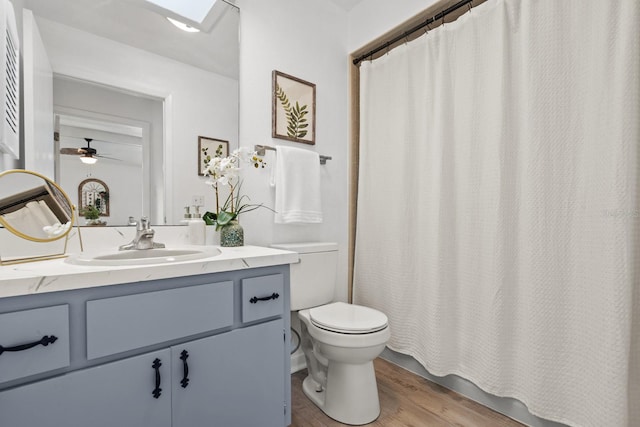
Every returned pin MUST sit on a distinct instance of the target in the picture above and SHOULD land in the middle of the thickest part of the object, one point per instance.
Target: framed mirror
(34, 208)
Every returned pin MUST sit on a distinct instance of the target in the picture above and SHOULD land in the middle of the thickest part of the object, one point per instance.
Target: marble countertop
(58, 275)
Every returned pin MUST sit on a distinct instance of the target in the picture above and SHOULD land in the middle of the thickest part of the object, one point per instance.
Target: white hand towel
(296, 177)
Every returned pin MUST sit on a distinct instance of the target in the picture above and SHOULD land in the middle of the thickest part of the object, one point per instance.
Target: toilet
(339, 340)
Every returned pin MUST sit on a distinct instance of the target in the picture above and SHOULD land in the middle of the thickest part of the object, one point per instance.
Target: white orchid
(225, 172)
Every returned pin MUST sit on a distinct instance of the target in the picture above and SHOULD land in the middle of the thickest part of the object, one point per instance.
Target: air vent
(9, 74)
(11, 81)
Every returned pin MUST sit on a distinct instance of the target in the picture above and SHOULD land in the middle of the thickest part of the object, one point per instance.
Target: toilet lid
(348, 318)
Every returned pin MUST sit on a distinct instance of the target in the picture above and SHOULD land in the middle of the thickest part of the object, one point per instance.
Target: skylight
(195, 10)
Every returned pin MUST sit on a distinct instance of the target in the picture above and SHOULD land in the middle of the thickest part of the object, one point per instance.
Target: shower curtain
(498, 208)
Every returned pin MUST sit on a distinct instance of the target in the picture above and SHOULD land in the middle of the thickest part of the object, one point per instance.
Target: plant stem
(217, 202)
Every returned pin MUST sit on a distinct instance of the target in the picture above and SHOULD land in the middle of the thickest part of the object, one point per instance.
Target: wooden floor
(406, 400)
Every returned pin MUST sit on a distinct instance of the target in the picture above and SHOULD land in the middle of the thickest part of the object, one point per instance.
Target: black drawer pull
(44, 341)
(156, 365)
(185, 369)
(270, 297)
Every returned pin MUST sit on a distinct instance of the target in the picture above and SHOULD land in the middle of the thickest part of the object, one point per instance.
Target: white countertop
(58, 275)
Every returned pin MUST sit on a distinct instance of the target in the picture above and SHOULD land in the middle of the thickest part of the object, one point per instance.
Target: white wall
(370, 19)
(307, 39)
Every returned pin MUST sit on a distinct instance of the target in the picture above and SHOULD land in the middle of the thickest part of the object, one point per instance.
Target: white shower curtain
(498, 203)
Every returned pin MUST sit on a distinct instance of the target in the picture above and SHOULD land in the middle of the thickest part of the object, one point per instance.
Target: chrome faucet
(144, 237)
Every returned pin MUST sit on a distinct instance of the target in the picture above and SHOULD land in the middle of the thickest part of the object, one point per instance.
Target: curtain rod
(411, 31)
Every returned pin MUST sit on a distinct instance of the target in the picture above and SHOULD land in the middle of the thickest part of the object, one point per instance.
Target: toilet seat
(345, 318)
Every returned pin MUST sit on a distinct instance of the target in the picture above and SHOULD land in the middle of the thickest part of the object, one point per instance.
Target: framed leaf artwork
(293, 112)
(209, 148)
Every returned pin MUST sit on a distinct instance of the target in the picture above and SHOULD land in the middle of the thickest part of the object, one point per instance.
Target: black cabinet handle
(185, 369)
(270, 297)
(44, 341)
(156, 365)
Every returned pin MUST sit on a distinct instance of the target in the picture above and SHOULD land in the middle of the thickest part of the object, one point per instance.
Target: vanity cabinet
(210, 350)
(114, 394)
(232, 379)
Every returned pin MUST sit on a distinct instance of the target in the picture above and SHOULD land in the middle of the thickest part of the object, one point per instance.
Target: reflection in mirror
(123, 46)
(93, 196)
(119, 150)
(34, 207)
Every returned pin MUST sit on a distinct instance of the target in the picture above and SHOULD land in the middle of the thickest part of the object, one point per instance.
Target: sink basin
(143, 256)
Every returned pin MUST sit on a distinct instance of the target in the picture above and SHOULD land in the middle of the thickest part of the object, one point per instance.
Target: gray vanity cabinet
(202, 351)
(232, 379)
(114, 394)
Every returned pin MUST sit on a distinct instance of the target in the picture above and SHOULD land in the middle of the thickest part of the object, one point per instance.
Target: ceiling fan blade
(74, 151)
(107, 157)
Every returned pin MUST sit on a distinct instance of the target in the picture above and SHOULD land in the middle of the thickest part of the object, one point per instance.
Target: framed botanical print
(293, 112)
(209, 148)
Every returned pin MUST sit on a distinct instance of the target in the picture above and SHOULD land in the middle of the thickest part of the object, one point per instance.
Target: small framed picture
(293, 112)
(209, 148)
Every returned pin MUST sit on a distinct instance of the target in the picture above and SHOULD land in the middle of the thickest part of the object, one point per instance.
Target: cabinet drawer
(30, 327)
(125, 323)
(262, 297)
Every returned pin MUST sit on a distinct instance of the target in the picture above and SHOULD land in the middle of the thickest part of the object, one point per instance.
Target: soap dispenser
(197, 228)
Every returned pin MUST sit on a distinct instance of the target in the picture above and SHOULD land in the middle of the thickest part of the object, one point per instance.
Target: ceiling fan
(87, 154)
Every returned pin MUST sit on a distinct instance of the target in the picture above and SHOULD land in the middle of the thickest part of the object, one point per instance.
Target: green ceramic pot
(232, 234)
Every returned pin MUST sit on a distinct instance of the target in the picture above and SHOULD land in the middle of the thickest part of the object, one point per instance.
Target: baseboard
(512, 408)
(297, 361)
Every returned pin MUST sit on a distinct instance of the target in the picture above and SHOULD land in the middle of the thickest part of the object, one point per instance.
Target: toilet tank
(313, 278)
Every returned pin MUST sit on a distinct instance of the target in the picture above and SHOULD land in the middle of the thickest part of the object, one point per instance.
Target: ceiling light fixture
(193, 10)
(183, 26)
(88, 159)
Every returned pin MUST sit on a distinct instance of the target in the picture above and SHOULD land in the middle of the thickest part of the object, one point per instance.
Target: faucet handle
(143, 224)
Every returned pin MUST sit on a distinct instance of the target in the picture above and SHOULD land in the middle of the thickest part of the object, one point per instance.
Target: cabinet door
(115, 394)
(235, 379)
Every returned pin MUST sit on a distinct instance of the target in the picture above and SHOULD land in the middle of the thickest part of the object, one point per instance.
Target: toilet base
(351, 394)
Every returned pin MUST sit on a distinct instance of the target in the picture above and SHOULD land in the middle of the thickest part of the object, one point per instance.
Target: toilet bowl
(341, 378)
(339, 340)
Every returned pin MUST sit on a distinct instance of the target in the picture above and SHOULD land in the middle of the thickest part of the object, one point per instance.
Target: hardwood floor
(406, 400)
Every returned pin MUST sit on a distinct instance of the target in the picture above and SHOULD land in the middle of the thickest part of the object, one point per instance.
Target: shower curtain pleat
(498, 203)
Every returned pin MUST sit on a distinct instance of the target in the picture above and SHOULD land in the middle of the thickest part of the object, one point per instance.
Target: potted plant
(224, 172)
(92, 215)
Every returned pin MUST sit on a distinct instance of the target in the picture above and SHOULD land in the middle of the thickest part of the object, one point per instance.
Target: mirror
(34, 208)
(98, 50)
